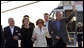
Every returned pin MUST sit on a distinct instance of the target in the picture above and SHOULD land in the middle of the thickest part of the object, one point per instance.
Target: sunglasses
(40, 22)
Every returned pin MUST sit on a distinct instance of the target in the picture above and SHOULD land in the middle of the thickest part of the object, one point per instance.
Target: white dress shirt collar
(12, 29)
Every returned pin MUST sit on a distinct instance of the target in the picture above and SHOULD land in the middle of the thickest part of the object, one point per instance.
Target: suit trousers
(60, 43)
(49, 41)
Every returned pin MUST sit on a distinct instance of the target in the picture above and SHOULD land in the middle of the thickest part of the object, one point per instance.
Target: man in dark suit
(2, 38)
(58, 30)
(11, 34)
(47, 21)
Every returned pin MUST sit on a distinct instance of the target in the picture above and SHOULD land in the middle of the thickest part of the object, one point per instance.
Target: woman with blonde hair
(26, 34)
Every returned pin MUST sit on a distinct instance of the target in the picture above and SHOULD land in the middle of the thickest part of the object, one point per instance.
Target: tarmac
(19, 42)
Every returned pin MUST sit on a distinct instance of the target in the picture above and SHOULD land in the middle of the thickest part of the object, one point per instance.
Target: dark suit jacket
(10, 42)
(63, 32)
(2, 38)
(32, 25)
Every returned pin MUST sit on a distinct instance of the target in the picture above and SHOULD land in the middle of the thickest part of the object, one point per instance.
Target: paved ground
(67, 45)
(74, 45)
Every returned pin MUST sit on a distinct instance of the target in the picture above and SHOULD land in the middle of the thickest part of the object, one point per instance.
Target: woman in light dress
(39, 34)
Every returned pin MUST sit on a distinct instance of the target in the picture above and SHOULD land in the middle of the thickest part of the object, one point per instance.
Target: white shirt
(12, 29)
(46, 22)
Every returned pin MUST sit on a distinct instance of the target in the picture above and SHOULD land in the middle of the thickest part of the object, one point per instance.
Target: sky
(35, 11)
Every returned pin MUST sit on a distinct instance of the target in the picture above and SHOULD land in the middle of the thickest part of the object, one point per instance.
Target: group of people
(48, 33)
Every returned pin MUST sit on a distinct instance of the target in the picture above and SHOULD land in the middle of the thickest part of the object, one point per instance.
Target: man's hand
(57, 37)
(52, 32)
(34, 38)
(74, 10)
(19, 34)
(15, 37)
(73, 7)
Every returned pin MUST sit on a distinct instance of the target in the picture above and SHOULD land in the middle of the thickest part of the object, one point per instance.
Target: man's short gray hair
(10, 19)
(59, 12)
